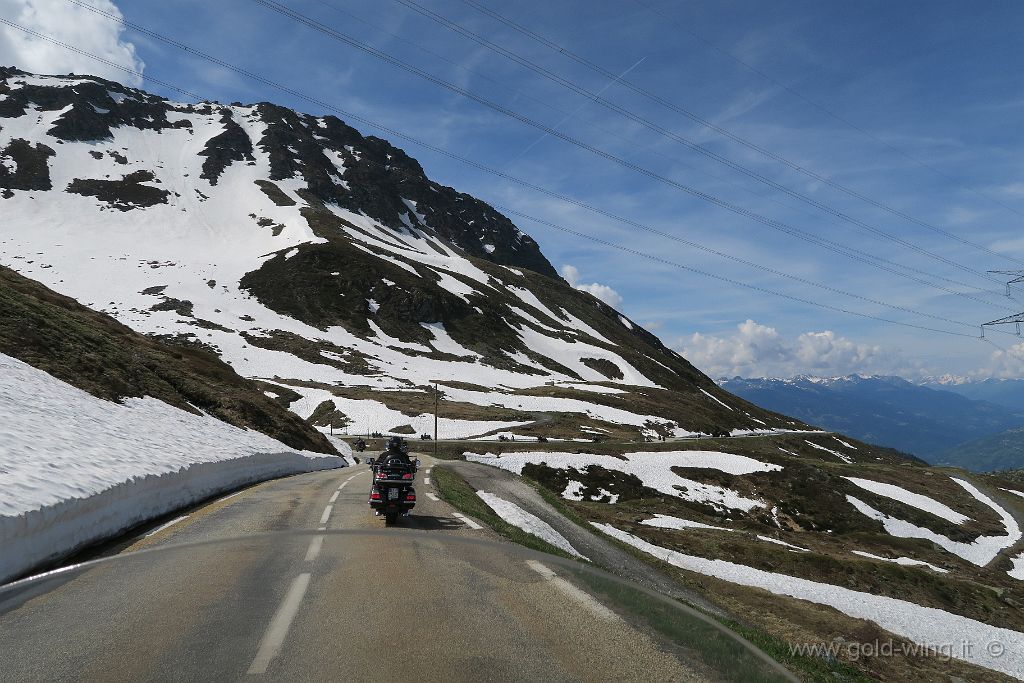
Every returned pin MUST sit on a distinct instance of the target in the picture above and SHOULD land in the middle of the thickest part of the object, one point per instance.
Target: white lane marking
(428, 471)
(314, 548)
(277, 630)
(327, 514)
(426, 480)
(467, 521)
(321, 528)
(230, 495)
(432, 497)
(335, 496)
(585, 599)
(165, 525)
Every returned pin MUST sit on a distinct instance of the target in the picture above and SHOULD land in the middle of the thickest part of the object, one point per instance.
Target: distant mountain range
(1008, 393)
(975, 425)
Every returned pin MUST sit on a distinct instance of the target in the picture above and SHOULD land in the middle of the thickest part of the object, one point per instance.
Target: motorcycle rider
(396, 450)
(396, 453)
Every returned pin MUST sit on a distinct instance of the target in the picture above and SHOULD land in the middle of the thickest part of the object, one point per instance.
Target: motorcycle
(392, 493)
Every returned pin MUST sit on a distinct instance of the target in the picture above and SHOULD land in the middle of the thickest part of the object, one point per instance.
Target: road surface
(420, 602)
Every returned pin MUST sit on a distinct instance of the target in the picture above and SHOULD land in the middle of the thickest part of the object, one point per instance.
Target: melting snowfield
(924, 625)
(75, 469)
(654, 469)
(981, 551)
(528, 522)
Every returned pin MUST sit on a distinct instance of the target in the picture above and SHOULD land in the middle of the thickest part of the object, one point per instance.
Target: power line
(777, 225)
(512, 178)
(738, 283)
(830, 113)
(649, 148)
(690, 144)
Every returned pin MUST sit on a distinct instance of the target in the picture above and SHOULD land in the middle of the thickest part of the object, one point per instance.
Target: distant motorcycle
(360, 445)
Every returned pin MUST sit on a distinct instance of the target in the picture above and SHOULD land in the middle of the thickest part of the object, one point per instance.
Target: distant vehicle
(359, 445)
(542, 439)
(426, 437)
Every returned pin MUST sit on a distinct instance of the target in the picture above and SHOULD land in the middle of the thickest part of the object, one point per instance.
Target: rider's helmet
(396, 444)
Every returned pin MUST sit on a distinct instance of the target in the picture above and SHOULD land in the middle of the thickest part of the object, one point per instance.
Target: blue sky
(936, 90)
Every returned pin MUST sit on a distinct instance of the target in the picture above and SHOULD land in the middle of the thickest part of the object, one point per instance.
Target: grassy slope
(97, 354)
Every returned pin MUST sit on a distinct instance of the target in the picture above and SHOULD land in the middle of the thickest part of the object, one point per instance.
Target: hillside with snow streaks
(313, 258)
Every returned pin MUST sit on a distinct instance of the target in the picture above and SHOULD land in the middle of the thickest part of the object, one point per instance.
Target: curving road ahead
(306, 603)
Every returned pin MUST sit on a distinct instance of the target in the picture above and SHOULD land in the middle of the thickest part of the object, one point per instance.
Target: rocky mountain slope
(925, 421)
(326, 265)
(95, 353)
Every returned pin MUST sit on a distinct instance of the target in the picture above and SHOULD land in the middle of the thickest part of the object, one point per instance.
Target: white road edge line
(432, 497)
(165, 525)
(277, 630)
(335, 496)
(321, 528)
(585, 599)
(230, 495)
(467, 521)
(314, 548)
(327, 514)
(428, 471)
(426, 480)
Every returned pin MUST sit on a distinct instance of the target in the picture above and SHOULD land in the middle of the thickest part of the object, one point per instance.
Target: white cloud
(1003, 364)
(70, 24)
(756, 350)
(602, 292)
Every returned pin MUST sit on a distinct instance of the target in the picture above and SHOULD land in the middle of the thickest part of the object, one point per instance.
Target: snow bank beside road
(75, 469)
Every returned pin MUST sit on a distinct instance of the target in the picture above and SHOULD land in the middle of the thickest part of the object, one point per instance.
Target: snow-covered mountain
(326, 265)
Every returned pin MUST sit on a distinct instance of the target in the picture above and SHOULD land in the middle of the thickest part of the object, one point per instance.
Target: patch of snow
(793, 548)
(573, 491)
(716, 400)
(625, 322)
(372, 305)
(916, 500)
(980, 552)
(654, 469)
(528, 522)
(904, 561)
(77, 469)
(668, 522)
(925, 625)
(850, 446)
(489, 248)
(845, 458)
(1017, 571)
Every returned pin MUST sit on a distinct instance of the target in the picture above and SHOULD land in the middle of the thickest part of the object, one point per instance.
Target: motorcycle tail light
(406, 476)
(410, 496)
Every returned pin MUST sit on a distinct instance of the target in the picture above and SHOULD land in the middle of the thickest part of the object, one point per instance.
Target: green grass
(454, 490)
(694, 638)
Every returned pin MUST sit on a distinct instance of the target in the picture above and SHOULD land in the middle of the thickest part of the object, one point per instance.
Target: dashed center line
(277, 631)
(335, 496)
(327, 514)
(585, 599)
(467, 521)
(432, 497)
(314, 548)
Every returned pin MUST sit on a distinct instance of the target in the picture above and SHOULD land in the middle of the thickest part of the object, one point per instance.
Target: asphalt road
(422, 601)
